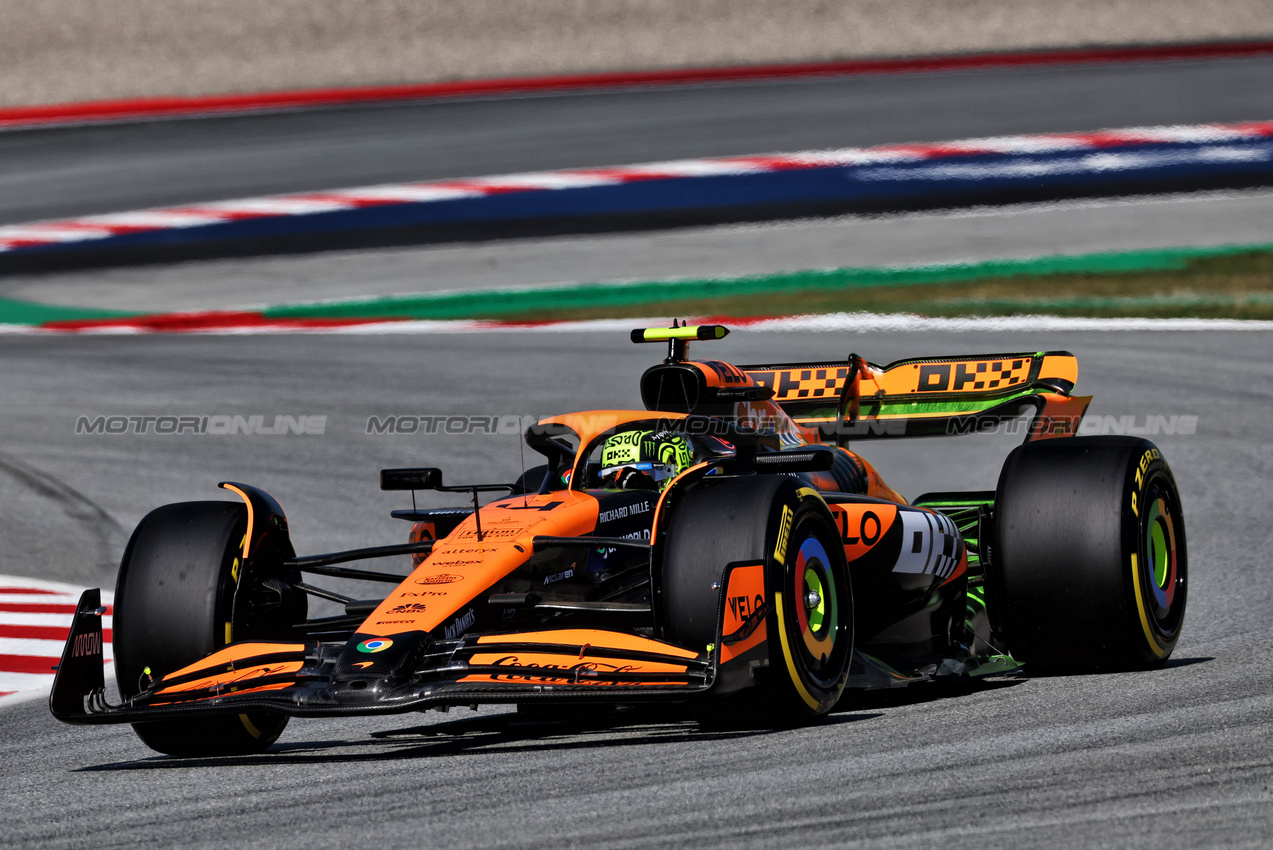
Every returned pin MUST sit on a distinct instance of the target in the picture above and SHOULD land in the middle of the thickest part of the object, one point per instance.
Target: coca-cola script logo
(440, 578)
(583, 673)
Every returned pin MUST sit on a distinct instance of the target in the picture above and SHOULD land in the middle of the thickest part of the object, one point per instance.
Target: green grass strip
(1058, 284)
(604, 297)
(1119, 301)
(16, 312)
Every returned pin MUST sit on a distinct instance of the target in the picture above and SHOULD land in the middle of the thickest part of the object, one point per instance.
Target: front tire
(763, 519)
(173, 605)
(1090, 565)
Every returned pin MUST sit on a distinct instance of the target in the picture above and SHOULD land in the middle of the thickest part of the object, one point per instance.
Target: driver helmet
(644, 460)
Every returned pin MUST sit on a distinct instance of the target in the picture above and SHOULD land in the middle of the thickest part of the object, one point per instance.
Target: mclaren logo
(89, 643)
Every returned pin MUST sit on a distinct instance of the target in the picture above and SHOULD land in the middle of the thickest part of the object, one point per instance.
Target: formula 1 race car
(721, 544)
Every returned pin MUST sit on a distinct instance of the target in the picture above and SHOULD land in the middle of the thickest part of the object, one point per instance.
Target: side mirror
(422, 478)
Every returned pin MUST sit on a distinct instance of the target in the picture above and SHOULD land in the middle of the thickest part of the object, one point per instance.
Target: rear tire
(1090, 564)
(174, 605)
(738, 520)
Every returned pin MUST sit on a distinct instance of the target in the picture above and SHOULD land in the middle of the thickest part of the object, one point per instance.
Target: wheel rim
(1162, 571)
(815, 599)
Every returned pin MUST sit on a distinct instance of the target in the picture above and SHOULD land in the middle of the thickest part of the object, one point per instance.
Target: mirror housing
(415, 478)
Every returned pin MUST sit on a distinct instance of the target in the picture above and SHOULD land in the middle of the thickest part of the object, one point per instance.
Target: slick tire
(174, 605)
(1090, 563)
(755, 519)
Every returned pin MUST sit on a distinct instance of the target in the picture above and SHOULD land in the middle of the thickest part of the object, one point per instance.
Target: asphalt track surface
(57, 173)
(1176, 757)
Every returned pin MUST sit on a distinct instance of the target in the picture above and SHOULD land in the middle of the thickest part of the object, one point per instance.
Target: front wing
(297, 678)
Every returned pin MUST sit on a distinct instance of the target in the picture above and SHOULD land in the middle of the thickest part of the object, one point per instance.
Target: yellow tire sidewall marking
(794, 673)
(250, 727)
(1144, 615)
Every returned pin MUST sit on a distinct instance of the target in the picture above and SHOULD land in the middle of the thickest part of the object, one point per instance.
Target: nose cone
(370, 667)
(445, 596)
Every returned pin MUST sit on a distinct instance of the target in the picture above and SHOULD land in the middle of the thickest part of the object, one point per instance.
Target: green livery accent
(992, 664)
(887, 409)
(971, 513)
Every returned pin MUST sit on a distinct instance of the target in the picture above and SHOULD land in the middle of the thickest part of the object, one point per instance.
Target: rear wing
(928, 396)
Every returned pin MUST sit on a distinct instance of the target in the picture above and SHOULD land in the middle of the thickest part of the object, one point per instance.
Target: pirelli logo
(784, 532)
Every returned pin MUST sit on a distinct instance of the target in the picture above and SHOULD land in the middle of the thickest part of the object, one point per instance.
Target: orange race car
(722, 543)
